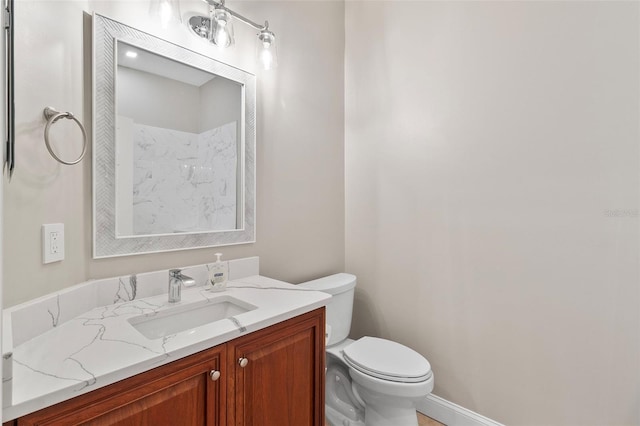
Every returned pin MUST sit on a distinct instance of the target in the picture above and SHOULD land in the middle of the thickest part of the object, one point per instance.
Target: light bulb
(166, 11)
(266, 57)
(221, 39)
(165, 14)
(222, 29)
(267, 49)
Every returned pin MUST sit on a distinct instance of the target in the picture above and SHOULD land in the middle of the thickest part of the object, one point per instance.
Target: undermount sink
(187, 317)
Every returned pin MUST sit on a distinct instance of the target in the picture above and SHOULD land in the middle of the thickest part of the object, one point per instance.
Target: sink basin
(188, 317)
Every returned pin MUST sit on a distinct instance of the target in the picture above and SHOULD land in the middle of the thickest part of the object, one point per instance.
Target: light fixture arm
(221, 5)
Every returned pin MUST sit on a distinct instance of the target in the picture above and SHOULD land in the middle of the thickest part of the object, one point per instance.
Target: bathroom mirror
(174, 146)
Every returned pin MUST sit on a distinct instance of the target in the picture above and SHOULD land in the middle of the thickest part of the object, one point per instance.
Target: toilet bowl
(369, 381)
(342, 406)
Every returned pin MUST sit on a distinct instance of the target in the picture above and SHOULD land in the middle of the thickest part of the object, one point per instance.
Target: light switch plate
(52, 242)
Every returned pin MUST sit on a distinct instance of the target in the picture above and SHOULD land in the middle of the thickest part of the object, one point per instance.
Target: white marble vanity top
(100, 346)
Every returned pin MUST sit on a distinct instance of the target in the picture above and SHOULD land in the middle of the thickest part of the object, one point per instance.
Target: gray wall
(300, 133)
(144, 97)
(492, 200)
(220, 103)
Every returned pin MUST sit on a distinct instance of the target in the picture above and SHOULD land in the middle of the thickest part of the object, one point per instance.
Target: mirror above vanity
(174, 146)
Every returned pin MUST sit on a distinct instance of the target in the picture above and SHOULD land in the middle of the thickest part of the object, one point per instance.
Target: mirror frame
(106, 243)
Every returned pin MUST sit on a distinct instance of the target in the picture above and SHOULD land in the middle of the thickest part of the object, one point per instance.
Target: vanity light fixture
(217, 28)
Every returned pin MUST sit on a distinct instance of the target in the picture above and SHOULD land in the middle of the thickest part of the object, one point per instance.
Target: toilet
(369, 381)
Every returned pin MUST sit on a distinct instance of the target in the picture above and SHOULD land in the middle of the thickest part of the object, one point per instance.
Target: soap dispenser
(218, 274)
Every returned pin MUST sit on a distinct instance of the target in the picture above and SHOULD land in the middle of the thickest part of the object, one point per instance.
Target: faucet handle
(186, 280)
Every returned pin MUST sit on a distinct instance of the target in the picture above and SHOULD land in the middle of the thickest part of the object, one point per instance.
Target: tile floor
(427, 421)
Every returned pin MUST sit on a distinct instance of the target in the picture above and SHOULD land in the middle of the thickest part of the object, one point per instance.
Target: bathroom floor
(422, 421)
(427, 421)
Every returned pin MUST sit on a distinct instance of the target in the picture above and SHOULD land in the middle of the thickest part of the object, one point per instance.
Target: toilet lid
(387, 360)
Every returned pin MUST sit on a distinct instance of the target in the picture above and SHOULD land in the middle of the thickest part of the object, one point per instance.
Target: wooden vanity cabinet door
(180, 393)
(282, 383)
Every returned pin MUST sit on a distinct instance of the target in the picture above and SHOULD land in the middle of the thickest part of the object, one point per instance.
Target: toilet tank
(339, 309)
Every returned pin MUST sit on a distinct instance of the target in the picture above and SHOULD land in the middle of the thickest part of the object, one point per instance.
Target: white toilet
(369, 381)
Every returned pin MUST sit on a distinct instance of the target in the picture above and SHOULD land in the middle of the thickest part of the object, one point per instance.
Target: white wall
(489, 148)
(300, 133)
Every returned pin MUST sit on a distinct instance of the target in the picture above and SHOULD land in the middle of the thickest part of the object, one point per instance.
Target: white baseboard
(452, 414)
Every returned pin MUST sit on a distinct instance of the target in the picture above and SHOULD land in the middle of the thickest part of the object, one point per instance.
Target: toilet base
(386, 407)
(373, 417)
(335, 418)
(390, 416)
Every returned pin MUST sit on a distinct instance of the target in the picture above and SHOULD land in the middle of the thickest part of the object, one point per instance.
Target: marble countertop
(100, 346)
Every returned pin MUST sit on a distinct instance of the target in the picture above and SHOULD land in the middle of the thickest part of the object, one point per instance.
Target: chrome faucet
(176, 281)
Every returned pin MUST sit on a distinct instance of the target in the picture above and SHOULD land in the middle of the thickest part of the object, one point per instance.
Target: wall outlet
(52, 242)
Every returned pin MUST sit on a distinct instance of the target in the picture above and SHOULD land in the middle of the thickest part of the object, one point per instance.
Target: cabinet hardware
(243, 362)
(215, 375)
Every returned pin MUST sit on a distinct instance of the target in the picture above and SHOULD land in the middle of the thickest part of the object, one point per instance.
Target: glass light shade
(266, 50)
(221, 28)
(166, 11)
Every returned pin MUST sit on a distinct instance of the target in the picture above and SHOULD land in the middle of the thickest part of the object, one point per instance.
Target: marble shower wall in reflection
(181, 181)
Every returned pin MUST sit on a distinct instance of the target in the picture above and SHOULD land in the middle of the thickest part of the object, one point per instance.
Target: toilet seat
(387, 360)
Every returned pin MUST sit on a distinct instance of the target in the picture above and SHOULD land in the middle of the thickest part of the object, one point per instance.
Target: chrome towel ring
(52, 116)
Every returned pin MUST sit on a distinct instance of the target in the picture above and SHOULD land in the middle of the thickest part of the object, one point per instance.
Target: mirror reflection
(178, 147)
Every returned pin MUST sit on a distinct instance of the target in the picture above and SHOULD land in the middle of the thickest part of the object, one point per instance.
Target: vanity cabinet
(272, 377)
(282, 380)
(180, 393)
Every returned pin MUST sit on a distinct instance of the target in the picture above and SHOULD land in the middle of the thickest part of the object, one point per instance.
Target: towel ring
(52, 116)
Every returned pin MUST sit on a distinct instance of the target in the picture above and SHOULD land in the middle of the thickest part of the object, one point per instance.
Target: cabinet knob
(214, 374)
(243, 362)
